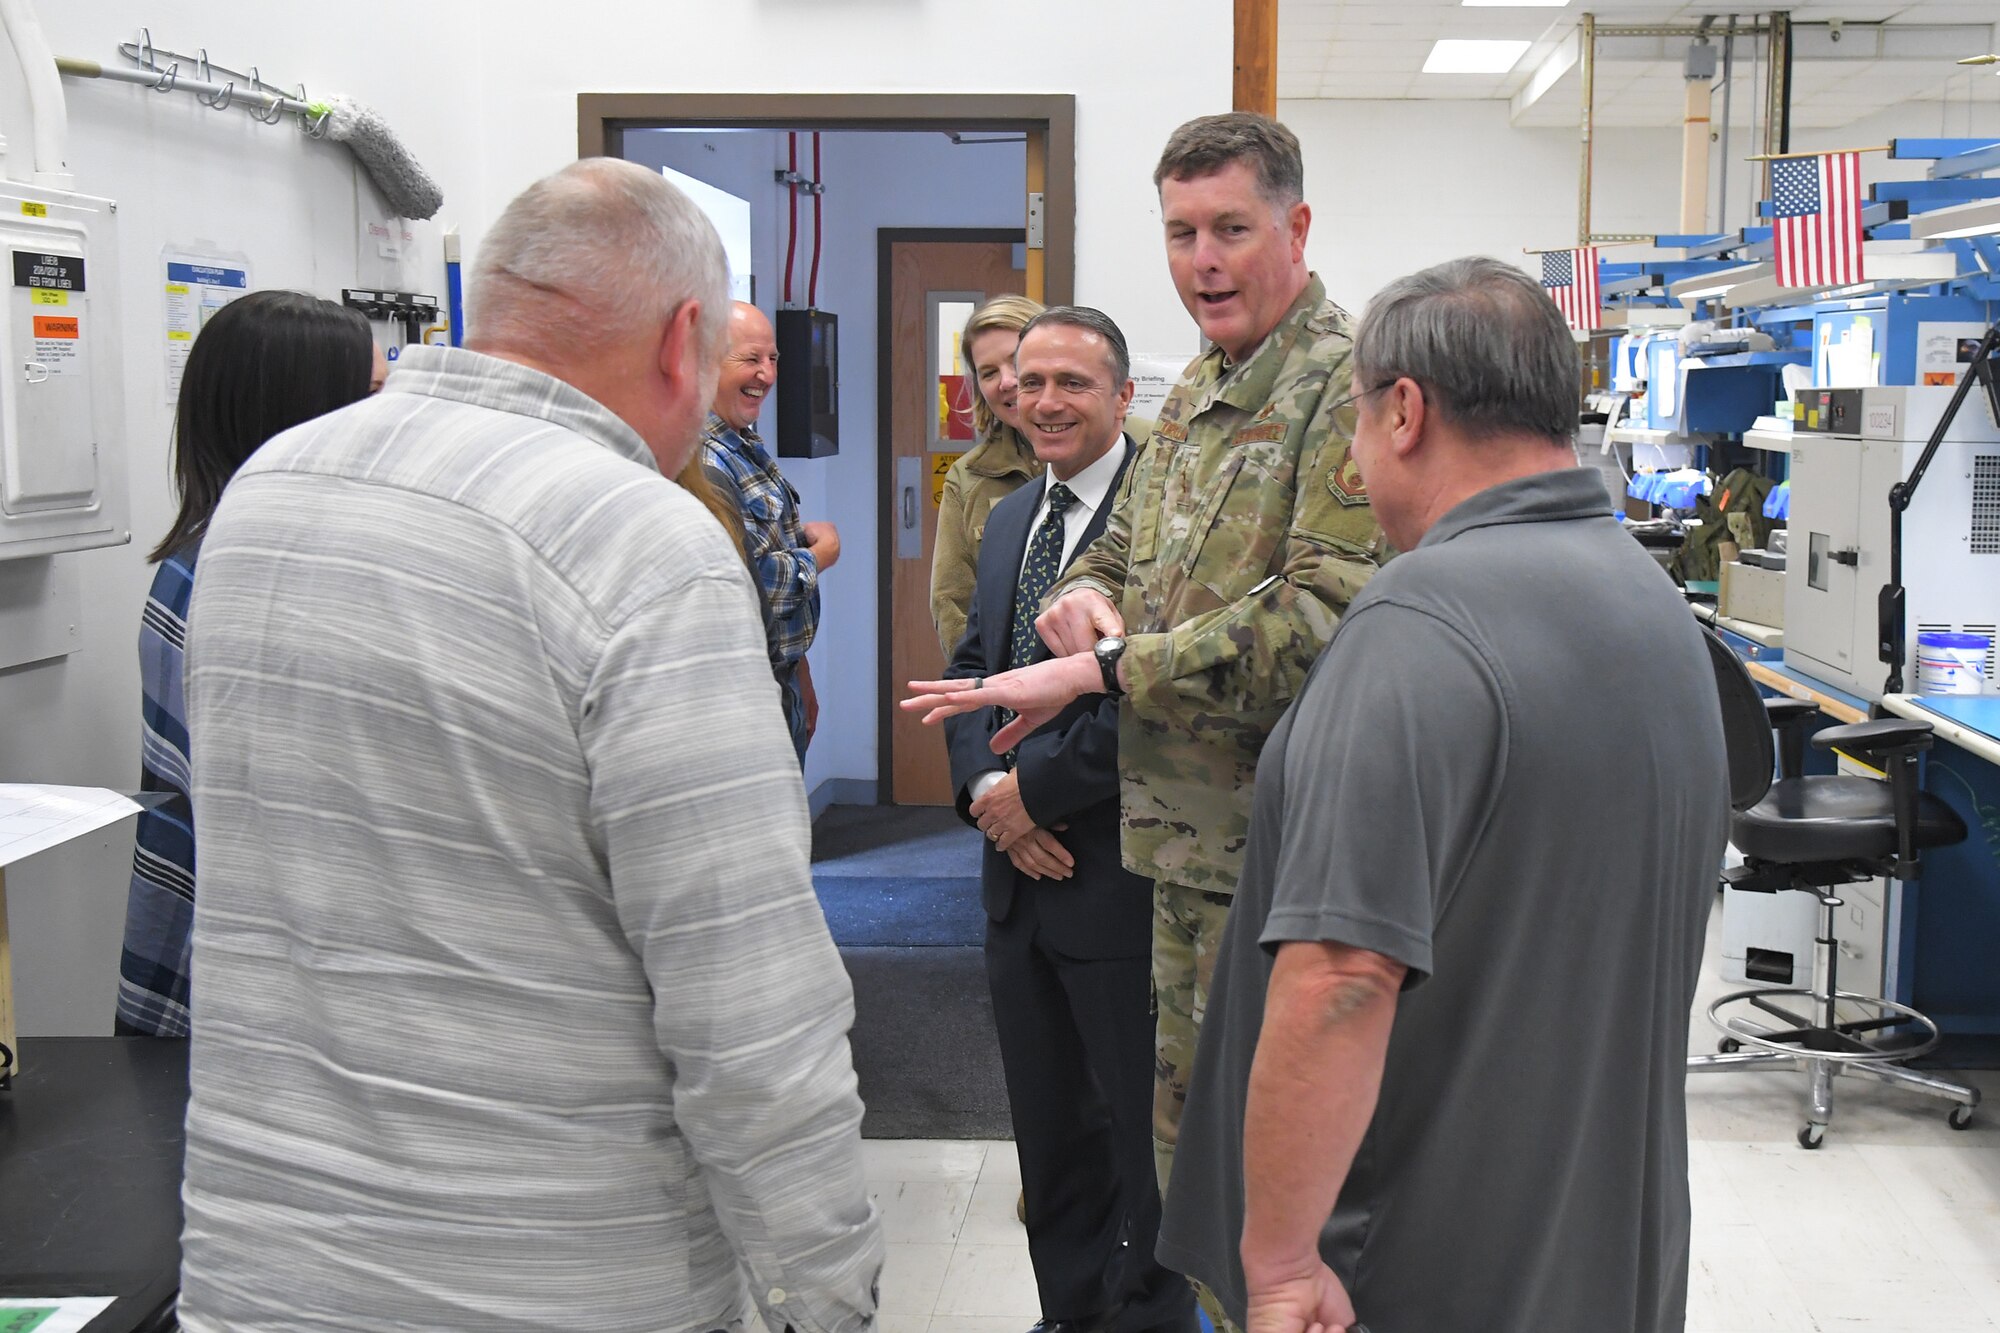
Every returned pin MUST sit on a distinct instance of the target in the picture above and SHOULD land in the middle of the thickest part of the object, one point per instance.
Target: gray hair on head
(1207, 144)
(1489, 347)
(599, 251)
(1090, 321)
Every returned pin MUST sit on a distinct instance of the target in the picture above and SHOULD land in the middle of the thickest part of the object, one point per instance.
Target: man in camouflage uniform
(1238, 539)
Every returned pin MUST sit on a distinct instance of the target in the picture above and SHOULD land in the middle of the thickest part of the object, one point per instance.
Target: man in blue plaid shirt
(787, 555)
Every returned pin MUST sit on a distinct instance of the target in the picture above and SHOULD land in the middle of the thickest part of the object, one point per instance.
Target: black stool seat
(1823, 818)
(1816, 834)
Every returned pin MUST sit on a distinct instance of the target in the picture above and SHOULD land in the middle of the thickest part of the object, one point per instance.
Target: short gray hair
(1484, 340)
(1207, 144)
(596, 251)
(1090, 321)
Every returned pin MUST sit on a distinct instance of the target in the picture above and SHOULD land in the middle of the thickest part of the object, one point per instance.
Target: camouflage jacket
(1237, 540)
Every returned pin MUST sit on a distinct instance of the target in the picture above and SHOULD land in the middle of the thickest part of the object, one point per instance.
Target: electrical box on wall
(62, 456)
(808, 384)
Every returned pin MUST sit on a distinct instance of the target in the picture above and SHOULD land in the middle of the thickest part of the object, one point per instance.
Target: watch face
(1113, 645)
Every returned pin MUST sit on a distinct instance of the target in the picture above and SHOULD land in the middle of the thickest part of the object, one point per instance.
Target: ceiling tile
(1349, 48)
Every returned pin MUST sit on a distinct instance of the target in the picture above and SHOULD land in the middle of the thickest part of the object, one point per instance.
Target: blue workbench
(1951, 932)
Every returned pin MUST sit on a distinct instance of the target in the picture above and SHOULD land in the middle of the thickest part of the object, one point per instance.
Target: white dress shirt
(1092, 489)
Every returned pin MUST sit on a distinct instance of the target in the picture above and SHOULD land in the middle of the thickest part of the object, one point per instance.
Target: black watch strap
(1108, 665)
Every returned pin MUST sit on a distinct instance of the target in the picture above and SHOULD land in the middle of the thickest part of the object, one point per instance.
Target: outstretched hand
(1036, 693)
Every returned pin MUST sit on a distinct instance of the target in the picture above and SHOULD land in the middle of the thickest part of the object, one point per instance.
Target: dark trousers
(1076, 1043)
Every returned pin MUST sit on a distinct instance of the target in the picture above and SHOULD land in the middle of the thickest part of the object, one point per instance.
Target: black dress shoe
(1068, 1325)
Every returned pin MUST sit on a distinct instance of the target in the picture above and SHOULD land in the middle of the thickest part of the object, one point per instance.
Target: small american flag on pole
(1816, 219)
(1571, 277)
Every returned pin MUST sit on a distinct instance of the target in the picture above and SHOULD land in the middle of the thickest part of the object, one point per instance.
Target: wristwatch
(1107, 652)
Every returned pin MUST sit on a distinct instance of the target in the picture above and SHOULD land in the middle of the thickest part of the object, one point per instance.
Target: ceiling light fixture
(1513, 4)
(1466, 55)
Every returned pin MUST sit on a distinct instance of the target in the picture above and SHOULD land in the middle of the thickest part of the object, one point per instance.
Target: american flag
(1571, 277)
(1816, 208)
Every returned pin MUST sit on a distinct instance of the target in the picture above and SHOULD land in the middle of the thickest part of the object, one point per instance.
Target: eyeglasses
(1353, 398)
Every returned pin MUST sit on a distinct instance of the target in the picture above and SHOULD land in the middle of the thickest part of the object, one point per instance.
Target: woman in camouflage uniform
(1001, 463)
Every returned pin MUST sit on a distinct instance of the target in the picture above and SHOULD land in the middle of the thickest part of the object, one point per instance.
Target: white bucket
(1952, 663)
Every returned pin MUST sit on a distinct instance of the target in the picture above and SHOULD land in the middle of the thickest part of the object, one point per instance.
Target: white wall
(485, 95)
(182, 174)
(872, 181)
(1396, 186)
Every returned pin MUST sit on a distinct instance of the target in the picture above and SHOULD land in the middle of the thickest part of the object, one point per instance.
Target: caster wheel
(1960, 1118)
(1729, 1046)
(1811, 1136)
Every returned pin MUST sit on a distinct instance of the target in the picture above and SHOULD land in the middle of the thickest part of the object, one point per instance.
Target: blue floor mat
(898, 876)
(877, 912)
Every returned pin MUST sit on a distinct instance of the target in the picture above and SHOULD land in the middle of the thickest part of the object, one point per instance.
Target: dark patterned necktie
(1038, 575)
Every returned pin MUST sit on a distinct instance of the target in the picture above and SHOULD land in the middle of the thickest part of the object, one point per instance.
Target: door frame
(887, 688)
(603, 118)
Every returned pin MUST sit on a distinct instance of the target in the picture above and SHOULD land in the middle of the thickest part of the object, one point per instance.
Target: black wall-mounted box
(808, 384)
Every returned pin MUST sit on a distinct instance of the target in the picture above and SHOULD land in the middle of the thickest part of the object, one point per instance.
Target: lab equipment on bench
(1848, 606)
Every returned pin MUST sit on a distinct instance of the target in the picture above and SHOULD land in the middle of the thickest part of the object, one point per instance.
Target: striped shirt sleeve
(708, 857)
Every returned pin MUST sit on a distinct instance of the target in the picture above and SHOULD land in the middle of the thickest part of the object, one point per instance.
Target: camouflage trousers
(1187, 936)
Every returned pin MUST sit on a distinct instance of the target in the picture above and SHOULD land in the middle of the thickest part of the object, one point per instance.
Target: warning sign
(57, 343)
(940, 464)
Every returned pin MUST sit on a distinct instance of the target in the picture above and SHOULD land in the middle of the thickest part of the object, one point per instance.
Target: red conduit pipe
(792, 231)
(812, 284)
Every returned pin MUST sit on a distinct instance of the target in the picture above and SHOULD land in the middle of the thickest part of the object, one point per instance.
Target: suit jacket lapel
(1007, 536)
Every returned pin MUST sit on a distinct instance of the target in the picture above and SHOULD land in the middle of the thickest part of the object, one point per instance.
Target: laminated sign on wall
(55, 327)
(197, 285)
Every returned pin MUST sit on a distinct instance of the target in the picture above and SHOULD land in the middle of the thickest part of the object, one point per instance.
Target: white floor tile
(902, 1323)
(1951, 1197)
(922, 1159)
(992, 1218)
(924, 1212)
(912, 1276)
(982, 1323)
(1734, 1283)
(1711, 1190)
(990, 1280)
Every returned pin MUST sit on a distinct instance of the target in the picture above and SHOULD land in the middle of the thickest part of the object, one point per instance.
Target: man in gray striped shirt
(513, 1004)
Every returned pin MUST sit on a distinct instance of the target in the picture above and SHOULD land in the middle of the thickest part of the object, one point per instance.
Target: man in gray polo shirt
(1440, 1087)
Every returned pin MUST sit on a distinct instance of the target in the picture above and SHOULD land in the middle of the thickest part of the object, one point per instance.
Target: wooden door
(934, 285)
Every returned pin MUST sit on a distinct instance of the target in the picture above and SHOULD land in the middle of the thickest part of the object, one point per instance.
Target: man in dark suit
(1069, 936)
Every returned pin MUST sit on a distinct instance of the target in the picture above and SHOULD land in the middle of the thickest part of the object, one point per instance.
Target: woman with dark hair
(261, 365)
